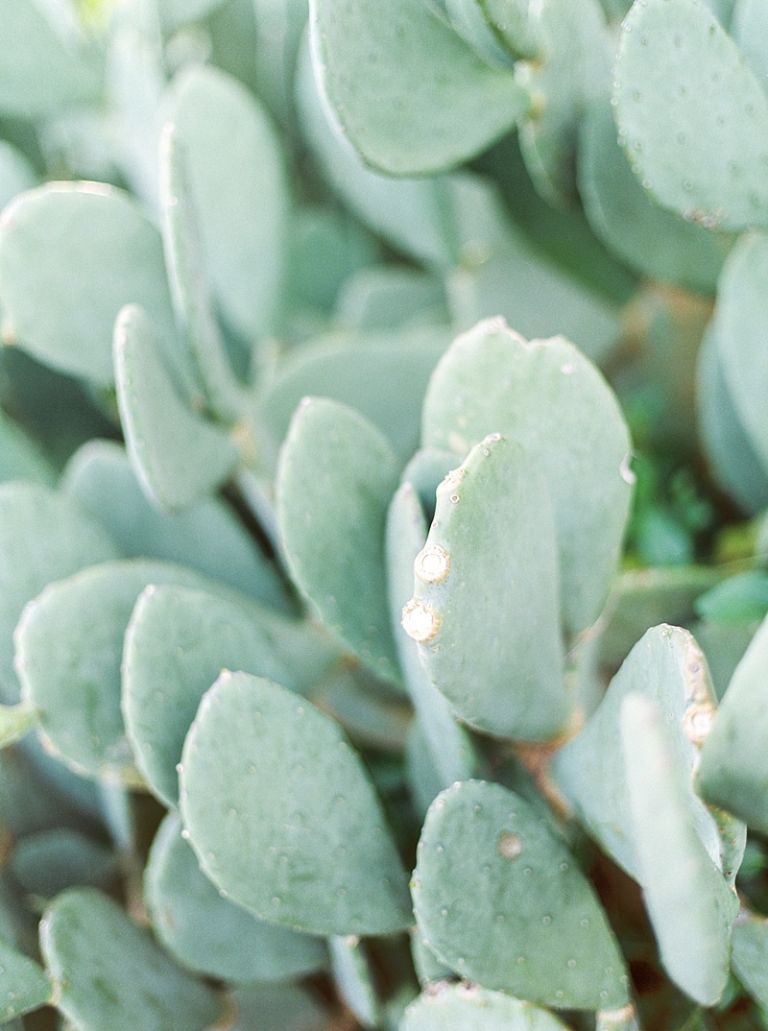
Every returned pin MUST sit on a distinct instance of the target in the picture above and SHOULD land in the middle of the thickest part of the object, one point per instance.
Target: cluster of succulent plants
(383, 573)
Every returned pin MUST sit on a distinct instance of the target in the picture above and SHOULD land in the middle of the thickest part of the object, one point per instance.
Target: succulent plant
(383, 461)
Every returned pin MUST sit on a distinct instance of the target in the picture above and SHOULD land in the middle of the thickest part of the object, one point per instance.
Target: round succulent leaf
(749, 26)
(178, 641)
(450, 745)
(411, 95)
(734, 764)
(71, 256)
(49, 862)
(735, 463)
(283, 817)
(207, 536)
(740, 327)
(465, 1007)
(23, 984)
(667, 666)
(335, 477)
(383, 380)
(44, 536)
(499, 897)
(690, 904)
(239, 190)
(31, 42)
(69, 648)
(546, 396)
(389, 297)
(107, 973)
(691, 114)
(178, 456)
(656, 242)
(485, 609)
(209, 934)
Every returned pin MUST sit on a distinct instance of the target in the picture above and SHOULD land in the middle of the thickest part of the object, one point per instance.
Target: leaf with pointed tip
(734, 760)
(334, 481)
(693, 117)
(239, 190)
(384, 381)
(667, 666)
(262, 765)
(499, 897)
(210, 935)
(410, 94)
(88, 249)
(465, 1007)
(689, 902)
(23, 984)
(31, 42)
(654, 241)
(178, 641)
(490, 642)
(49, 862)
(492, 381)
(107, 973)
(450, 745)
(69, 647)
(44, 536)
(177, 455)
(206, 536)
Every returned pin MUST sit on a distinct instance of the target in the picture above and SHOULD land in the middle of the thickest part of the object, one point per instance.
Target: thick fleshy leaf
(410, 94)
(177, 643)
(740, 328)
(734, 761)
(69, 648)
(267, 769)
(545, 396)
(693, 116)
(87, 250)
(334, 481)
(207, 933)
(23, 985)
(383, 379)
(654, 241)
(31, 42)
(49, 862)
(465, 1007)
(177, 455)
(206, 536)
(465, 597)
(44, 536)
(667, 666)
(239, 189)
(499, 897)
(353, 975)
(750, 955)
(16, 173)
(691, 906)
(88, 943)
